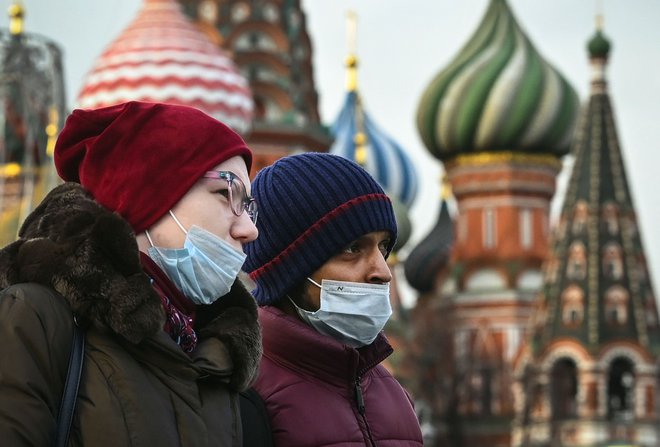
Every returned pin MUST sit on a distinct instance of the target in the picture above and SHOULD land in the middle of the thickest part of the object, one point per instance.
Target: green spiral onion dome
(498, 94)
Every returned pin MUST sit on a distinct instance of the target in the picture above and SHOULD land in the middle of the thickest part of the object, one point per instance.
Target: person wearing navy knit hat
(141, 248)
(322, 283)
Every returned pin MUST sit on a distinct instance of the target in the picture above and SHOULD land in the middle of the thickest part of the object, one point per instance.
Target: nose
(243, 229)
(379, 271)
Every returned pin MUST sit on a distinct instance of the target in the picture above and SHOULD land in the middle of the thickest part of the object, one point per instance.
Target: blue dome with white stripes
(358, 138)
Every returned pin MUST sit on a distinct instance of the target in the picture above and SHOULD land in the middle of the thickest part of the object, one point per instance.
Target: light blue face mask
(204, 269)
(352, 313)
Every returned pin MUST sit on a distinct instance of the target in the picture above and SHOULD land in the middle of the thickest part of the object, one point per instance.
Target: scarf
(179, 310)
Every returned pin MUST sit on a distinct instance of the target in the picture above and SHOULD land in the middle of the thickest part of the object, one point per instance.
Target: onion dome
(599, 46)
(358, 138)
(432, 254)
(162, 57)
(32, 109)
(498, 94)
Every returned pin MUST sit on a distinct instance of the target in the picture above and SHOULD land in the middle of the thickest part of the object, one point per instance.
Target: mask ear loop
(177, 222)
(146, 232)
(314, 282)
(300, 309)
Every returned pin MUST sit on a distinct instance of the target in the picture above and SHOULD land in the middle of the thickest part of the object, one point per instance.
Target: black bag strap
(68, 404)
(255, 420)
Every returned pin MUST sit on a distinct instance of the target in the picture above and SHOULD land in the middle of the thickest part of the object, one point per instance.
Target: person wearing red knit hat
(141, 248)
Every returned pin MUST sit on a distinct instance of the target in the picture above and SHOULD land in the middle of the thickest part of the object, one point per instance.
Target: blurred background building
(269, 42)
(32, 110)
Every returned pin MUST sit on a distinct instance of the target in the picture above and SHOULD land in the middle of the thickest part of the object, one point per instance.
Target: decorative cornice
(505, 157)
(511, 201)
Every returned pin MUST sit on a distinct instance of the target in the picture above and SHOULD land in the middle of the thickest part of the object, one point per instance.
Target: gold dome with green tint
(498, 94)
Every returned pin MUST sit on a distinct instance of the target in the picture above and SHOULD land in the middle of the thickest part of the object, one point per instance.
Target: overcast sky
(402, 44)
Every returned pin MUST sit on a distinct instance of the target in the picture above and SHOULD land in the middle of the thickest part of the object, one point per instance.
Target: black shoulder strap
(255, 420)
(70, 393)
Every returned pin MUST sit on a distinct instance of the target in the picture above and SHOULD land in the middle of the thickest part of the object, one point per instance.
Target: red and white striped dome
(162, 57)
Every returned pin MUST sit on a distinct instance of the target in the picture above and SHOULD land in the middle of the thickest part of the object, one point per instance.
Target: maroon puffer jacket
(319, 392)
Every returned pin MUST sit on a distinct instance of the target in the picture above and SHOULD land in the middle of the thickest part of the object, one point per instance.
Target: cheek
(313, 297)
(213, 217)
(218, 225)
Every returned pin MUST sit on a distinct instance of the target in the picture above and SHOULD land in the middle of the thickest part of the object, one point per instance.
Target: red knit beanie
(139, 159)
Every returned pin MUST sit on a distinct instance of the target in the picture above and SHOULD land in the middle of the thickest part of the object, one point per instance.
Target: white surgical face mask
(352, 313)
(204, 269)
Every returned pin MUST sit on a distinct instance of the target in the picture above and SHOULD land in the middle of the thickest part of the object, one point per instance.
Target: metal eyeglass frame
(247, 203)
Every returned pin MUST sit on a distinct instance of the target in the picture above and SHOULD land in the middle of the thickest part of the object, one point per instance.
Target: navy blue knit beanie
(311, 206)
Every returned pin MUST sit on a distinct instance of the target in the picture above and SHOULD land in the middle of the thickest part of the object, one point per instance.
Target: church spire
(597, 285)
(595, 331)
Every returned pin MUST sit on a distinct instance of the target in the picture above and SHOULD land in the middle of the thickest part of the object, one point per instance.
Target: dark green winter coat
(138, 388)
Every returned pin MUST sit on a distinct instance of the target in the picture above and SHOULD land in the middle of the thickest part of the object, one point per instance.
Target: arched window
(621, 390)
(572, 302)
(580, 216)
(616, 305)
(576, 268)
(610, 218)
(240, 12)
(489, 229)
(484, 280)
(563, 389)
(613, 261)
(481, 391)
(270, 12)
(526, 228)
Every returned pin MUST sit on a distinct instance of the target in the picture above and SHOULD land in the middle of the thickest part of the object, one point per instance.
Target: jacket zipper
(359, 398)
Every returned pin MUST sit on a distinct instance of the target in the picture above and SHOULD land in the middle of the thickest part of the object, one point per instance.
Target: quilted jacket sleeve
(36, 327)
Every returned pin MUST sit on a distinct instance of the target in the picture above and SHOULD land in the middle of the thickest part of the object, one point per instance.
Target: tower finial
(16, 15)
(351, 59)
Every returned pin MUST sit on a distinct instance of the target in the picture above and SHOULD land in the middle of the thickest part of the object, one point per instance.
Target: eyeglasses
(239, 201)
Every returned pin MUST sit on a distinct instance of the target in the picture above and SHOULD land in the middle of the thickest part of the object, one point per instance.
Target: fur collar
(90, 256)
